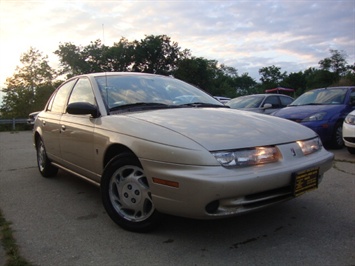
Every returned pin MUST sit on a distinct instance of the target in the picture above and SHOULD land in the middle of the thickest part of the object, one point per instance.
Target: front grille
(227, 207)
(296, 120)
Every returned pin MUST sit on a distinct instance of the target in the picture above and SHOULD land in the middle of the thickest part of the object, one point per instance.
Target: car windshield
(321, 97)
(122, 91)
(246, 102)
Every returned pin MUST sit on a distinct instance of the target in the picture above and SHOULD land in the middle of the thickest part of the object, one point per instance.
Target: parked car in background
(32, 118)
(222, 99)
(260, 103)
(349, 132)
(152, 153)
(324, 111)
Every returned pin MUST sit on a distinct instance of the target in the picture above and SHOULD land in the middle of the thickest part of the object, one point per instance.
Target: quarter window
(285, 101)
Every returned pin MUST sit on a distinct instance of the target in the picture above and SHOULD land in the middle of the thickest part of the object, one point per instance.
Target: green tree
(271, 77)
(335, 63)
(296, 81)
(77, 60)
(157, 54)
(319, 78)
(199, 72)
(120, 56)
(95, 58)
(245, 85)
(31, 83)
(71, 59)
(154, 54)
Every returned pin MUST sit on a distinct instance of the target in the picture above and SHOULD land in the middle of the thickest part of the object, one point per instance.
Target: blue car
(324, 111)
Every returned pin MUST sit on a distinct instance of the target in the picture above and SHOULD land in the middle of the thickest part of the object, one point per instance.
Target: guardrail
(13, 121)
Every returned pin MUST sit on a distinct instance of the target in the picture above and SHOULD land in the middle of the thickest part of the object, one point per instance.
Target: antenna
(103, 33)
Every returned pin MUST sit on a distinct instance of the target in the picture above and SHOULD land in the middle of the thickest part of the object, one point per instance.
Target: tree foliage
(157, 54)
(29, 87)
(32, 83)
(271, 77)
(336, 62)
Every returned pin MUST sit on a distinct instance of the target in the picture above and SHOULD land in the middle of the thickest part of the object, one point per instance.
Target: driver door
(76, 138)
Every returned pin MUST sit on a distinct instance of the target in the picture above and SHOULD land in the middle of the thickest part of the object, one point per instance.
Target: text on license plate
(305, 181)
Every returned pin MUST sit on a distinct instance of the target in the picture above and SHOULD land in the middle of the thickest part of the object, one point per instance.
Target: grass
(13, 257)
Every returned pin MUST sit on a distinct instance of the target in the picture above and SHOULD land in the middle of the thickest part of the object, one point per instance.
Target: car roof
(335, 88)
(103, 74)
(263, 95)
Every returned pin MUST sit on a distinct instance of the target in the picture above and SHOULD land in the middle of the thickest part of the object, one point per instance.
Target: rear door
(50, 120)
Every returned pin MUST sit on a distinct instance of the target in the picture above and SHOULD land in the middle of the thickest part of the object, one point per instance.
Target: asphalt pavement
(61, 221)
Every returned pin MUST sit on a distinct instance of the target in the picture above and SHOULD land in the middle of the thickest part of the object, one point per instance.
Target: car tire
(126, 194)
(351, 150)
(337, 141)
(45, 166)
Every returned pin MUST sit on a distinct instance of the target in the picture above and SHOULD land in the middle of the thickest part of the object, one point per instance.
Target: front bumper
(206, 192)
(322, 128)
(349, 135)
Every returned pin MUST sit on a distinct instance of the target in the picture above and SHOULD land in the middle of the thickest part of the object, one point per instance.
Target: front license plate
(305, 181)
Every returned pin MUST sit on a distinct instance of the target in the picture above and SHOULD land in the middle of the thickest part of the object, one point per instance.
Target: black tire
(337, 141)
(351, 150)
(126, 195)
(44, 164)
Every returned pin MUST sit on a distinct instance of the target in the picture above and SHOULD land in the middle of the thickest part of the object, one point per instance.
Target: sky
(247, 35)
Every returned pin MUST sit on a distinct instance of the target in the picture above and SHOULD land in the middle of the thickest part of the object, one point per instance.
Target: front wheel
(337, 141)
(126, 195)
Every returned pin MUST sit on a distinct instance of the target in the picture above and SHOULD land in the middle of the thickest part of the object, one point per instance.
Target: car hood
(218, 129)
(303, 111)
(258, 110)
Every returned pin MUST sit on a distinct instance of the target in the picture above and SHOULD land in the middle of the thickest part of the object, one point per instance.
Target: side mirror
(267, 106)
(83, 108)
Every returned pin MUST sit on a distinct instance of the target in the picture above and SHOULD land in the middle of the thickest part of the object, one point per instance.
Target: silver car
(156, 145)
(260, 103)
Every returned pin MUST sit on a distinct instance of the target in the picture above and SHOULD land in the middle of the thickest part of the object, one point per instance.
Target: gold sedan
(157, 145)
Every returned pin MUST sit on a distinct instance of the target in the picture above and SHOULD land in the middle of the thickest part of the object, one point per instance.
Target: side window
(285, 101)
(82, 92)
(274, 100)
(352, 97)
(58, 102)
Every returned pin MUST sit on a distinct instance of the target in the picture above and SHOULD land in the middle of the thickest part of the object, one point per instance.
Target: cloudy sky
(247, 35)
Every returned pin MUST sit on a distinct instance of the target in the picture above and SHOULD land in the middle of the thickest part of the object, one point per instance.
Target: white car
(349, 132)
(222, 99)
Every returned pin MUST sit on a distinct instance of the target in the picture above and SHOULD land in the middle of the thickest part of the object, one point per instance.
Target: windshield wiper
(139, 106)
(201, 104)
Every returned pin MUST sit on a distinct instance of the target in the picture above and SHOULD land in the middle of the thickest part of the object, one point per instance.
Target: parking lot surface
(61, 221)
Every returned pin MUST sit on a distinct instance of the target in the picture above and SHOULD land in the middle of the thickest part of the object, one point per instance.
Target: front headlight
(247, 157)
(350, 119)
(310, 146)
(315, 117)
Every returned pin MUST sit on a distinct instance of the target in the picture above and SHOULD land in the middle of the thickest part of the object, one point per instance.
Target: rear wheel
(337, 141)
(126, 195)
(44, 164)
